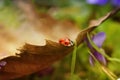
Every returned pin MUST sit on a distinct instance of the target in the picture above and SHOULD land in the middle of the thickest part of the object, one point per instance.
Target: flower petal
(91, 60)
(99, 39)
(100, 58)
(115, 2)
(102, 2)
(97, 2)
(3, 63)
(92, 1)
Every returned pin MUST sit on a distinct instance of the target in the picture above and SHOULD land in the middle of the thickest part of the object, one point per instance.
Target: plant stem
(109, 58)
(107, 71)
(111, 75)
(73, 61)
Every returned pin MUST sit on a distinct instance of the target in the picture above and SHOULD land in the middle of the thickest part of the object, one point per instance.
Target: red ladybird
(66, 42)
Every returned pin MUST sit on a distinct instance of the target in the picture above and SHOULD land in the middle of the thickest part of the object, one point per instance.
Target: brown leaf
(32, 59)
(35, 58)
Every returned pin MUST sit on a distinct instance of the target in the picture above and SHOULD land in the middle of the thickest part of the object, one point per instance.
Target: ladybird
(66, 42)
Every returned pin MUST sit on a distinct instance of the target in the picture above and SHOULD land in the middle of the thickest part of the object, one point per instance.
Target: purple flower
(97, 2)
(98, 39)
(115, 2)
(2, 64)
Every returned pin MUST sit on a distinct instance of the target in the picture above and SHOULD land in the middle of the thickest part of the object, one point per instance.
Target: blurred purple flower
(2, 64)
(98, 39)
(97, 2)
(115, 2)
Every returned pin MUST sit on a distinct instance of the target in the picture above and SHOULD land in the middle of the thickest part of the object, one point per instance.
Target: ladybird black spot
(66, 43)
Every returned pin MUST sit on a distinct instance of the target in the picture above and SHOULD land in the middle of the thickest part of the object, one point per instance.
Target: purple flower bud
(99, 57)
(91, 60)
(98, 39)
(116, 3)
(97, 2)
(3, 63)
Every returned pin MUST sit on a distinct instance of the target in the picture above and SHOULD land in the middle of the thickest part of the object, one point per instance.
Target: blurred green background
(76, 13)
